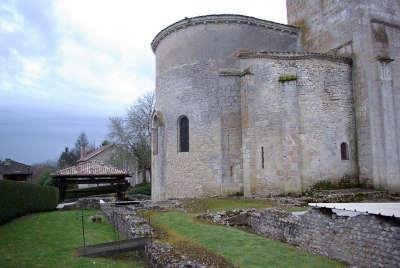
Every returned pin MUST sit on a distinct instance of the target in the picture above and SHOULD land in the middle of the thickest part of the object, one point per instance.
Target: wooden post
(61, 188)
(120, 194)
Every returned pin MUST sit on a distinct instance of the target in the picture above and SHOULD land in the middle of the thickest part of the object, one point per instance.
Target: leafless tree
(132, 132)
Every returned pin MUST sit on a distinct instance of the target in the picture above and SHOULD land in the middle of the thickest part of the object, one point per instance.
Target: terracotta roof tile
(90, 169)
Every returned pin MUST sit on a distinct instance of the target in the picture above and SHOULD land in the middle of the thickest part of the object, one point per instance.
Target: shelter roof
(91, 169)
(11, 167)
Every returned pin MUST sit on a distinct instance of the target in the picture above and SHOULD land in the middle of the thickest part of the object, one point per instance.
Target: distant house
(13, 170)
(112, 155)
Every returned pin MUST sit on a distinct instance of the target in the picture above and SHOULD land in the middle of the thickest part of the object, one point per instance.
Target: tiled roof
(90, 169)
(11, 167)
(95, 152)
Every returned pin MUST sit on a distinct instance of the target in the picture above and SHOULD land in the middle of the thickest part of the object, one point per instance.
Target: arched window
(154, 134)
(344, 151)
(183, 134)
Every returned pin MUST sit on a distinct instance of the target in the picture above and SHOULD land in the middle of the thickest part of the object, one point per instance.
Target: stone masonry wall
(369, 31)
(190, 56)
(293, 130)
(126, 220)
(361, 240)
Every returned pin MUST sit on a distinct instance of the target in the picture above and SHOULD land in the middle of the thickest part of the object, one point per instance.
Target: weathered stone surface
(235, 117)
(298, 125)
(369, 31)
(86, 203)
(252, 132)
(160, 255)
(236, 217)
(362, 240)
(127, 220)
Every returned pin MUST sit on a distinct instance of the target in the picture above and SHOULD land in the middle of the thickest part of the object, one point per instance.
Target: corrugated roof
(383, 209)
(90, 169)
(11, 167)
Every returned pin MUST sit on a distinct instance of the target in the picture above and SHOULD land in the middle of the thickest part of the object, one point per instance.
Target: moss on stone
(384, 58)
(380, 35)
(344, 183)
(305, 33)
(287, 77)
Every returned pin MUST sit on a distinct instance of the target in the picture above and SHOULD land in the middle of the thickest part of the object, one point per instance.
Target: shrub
(45, 178)
(142, 188)
(20, 198)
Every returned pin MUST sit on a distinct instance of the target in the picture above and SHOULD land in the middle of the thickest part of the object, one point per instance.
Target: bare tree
(81, 141)
(133, 131)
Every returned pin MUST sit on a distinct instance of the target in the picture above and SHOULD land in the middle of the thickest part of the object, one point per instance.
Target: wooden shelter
(91, 173)
(13, 170)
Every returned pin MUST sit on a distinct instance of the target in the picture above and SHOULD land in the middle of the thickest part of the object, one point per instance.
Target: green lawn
(49, 240)
(238, 247)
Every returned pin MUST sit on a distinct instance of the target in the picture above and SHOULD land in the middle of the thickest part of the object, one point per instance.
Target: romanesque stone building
(245, 105)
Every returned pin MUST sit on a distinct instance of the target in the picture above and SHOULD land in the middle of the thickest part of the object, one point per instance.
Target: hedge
(20, 198)
(142, 188)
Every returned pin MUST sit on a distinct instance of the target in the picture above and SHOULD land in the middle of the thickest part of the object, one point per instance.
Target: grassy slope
(238, 247)
(49, 239)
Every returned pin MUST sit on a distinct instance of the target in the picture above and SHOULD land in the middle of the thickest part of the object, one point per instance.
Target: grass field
(238, 247)
(49, 240)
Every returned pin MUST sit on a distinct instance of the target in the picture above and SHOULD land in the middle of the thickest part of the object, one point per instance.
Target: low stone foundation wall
(126, 220)
(332, 196)
(85, 203)
(163, 255)
(363, 240)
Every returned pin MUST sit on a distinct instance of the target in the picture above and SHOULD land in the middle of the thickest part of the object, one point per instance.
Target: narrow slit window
(344, 151)
(183, 132)
(154, 134)
(262, 157)
(155, 141)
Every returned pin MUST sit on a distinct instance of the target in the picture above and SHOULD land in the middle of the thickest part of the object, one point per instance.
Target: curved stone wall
(189, 58)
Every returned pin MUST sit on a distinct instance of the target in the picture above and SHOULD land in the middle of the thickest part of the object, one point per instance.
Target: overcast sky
(67, 66)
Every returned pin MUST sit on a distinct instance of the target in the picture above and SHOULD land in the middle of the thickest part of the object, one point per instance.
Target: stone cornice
(219, 19)
(233, 72)
(293, 56)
